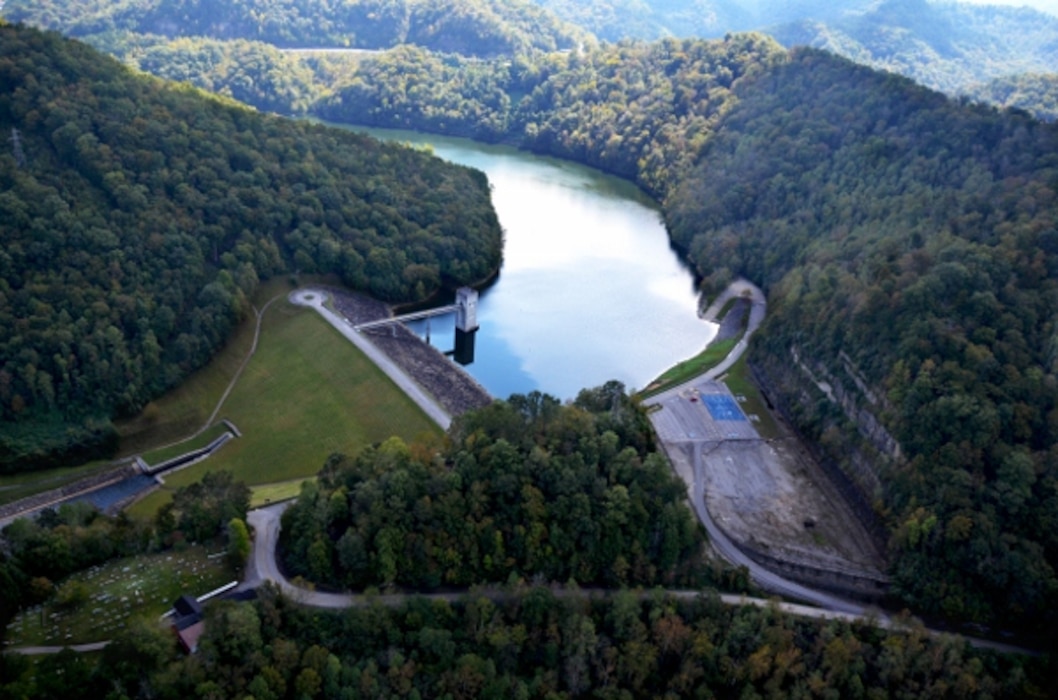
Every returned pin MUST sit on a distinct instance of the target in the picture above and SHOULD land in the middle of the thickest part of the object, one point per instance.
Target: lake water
(589, 290)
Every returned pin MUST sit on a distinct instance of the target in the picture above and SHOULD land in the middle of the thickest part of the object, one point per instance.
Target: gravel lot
(767, 495)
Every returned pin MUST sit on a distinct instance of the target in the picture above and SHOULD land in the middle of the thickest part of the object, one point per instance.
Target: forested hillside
(909, 248)
(471, 27)
(137, 218)
(527, 488)
(252, 72)
(1036, 93)
(642, 111)
(614, 20)
(948, 46)
(532, 645)
(906, 243)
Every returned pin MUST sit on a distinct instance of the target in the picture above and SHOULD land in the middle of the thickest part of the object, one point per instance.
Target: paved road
(758, 308)
(761, 576)
(263, 567)
(316, 299)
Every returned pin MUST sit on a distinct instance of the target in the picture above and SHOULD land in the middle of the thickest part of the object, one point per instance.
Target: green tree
(238, 543)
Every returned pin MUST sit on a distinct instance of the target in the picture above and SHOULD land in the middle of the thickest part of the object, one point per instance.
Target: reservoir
(589, 290)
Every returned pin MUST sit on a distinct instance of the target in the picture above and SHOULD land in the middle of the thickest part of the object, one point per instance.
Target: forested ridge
(137, 218)
(471, 27)
(945, 46)
(525, 489)
(638, 110)
(1036, 93)
(906, 243)
(252, 72)
(949, 46)
(533, 645)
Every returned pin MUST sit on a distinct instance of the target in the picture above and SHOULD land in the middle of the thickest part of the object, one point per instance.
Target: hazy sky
(1050, 6)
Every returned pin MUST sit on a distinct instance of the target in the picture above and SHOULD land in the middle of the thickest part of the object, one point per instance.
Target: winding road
(262, 567)
(266, 522)
(724, 546)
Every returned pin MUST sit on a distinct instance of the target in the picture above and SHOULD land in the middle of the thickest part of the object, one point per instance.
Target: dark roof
(187, 605)
(187, 611)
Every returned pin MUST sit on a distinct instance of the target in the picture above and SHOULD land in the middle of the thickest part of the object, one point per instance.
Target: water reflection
(590, 289)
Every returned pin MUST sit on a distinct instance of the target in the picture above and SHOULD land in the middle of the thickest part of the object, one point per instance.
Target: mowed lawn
(307, 393)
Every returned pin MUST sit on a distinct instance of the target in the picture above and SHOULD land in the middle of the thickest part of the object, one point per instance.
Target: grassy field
(688, 369)
(274, 493)
(306, 393)
(738, 381)
(143, 586)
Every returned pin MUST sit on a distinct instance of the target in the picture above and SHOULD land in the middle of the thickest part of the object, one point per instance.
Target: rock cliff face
(841, 416)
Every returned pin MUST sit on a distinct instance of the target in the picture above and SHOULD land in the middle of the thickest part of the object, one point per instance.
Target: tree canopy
(528, 489)
(470, 27)
(137, 218)
(533, 644)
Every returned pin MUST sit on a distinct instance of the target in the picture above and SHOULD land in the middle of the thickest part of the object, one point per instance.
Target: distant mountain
(613, 20)
(948, 47)
(944, 45)
(469, 27)
(1033, 92)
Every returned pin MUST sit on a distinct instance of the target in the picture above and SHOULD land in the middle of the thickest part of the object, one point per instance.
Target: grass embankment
(739, 382)
(713, 355)
(266, 494)
(116, 592)
(307, 392)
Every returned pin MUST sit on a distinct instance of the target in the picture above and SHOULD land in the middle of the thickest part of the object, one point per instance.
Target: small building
(187, 622)
(466, 309)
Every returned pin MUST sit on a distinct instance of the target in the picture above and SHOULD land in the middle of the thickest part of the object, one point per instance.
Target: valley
(904, 374)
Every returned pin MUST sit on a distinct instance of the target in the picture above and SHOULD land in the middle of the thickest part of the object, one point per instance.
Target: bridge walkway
(414, 316)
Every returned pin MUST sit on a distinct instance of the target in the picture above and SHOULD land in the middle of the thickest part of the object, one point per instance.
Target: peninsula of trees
(527, 489)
